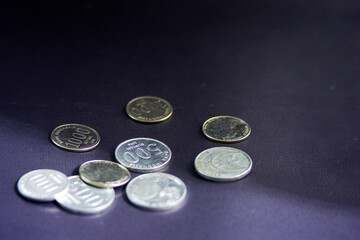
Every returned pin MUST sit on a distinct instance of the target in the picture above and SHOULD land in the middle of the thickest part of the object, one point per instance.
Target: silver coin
(105, 174)
(226, 129)
(43, 185)
(223, 164)
(156, 191)
(83, 198)
(75, 137)
(143, 154)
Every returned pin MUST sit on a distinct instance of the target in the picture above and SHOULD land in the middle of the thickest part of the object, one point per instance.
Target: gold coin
(226, 129)
(149, 109)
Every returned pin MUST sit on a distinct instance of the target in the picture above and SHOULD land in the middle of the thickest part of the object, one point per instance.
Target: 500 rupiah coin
(226, 129)
(75, 137)
(149, 109)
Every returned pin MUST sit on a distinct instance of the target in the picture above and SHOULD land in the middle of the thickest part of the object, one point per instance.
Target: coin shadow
(87, 215)
(76, 170)
(155, 211)
(48, 206)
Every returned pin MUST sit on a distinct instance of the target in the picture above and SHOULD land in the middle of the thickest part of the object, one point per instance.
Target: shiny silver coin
(226, 129)
(143, 154)
(75, 137)
(105, 174)
(223, 164)
(156, 191)
(83, 198)
(43, 185)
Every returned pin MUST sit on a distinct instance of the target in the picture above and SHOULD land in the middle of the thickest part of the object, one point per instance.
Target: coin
(43, 185)
(149, 109)
(83, 198)
(105, 174)
(143, 154)
(156, 191)
(226, 129)
(223, 164)
(75, 137)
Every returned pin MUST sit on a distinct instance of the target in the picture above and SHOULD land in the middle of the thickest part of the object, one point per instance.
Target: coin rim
(49, 199)
(225, 141)
(162, 208)
(108, 184)
(147, 170)
(87, 211)
(73, 149)
(240, 176)
(148, 121)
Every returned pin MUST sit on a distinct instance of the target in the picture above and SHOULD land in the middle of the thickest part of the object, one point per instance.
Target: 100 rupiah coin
(149, 109)
(226, 129)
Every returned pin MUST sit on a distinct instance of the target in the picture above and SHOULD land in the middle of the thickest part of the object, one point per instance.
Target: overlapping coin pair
(46, 185)
(224, 164)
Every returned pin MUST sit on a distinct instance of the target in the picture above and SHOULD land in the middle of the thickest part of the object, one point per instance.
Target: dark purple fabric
(291, 70)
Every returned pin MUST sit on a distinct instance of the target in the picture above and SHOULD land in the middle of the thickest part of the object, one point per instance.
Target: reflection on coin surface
(149, 109)
(75, 137)
(223, 164)
(143, 154)
(83, 198)
(105, 174)
(156, 191)
(43, 185)
(226, 129)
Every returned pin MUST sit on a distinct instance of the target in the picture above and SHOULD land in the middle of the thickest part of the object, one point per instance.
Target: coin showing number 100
(75, 137)
(143, 154)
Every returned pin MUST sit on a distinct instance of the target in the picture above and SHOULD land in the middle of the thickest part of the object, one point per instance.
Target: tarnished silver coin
(105, 174)
(149, 109)
(156, 191)
(223, 164)
(226, 129)
(83, 198)
(75, 137)
(43, 185)
(143, 154)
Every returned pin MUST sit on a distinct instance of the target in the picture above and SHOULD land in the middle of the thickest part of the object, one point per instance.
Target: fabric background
(290, 69)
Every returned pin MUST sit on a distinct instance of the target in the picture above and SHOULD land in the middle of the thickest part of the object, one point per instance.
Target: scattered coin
(226, 129)
(223, 164)
(83, 198)
(143, 154)
(156, 191)
(105, 174)
(149, 109)
(43, 185)
(75, 137)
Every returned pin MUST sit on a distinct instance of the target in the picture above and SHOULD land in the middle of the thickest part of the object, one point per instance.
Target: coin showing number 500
(143, 154)
(75, 137)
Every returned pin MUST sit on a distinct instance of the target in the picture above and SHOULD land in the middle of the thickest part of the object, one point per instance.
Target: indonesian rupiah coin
(223, 164)
(226, 129)
(143, 154)
(105, 174)
(156, 191)
(43, 185)
(75, 137)
(83, 198)
(149, 109)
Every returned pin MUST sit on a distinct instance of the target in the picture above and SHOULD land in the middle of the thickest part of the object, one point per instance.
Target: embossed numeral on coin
(79, 135)
(152, 147)
(141, 153)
